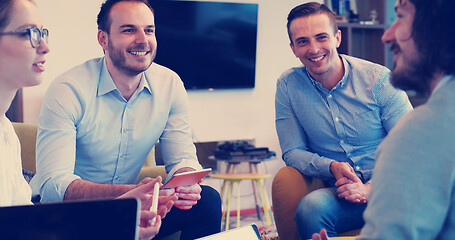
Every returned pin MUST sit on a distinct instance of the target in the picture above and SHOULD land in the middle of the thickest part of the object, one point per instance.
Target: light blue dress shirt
(86, 129)
(346, 124)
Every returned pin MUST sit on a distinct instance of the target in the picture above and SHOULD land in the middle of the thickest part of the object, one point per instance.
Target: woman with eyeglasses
(22, 51)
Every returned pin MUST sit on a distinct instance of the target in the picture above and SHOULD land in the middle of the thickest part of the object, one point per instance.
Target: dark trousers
(201, 220)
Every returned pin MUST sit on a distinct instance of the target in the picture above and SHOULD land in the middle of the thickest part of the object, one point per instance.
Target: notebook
(98, 219)
(248, 232)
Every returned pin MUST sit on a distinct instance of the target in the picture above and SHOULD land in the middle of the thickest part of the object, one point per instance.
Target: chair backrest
(150, 159)
(27, 137)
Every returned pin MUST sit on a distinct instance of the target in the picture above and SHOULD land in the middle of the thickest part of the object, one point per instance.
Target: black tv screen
(211, 45)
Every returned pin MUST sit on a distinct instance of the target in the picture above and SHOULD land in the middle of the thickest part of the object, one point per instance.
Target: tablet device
(248, 232)
(186, 178)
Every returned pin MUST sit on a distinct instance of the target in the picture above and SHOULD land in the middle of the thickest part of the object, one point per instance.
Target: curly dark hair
(308, 9)
(432, 29)
(103, 20)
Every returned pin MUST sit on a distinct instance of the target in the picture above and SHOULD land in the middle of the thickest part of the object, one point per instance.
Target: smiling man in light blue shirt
(331, 114)
(99, 120)
(86, 126)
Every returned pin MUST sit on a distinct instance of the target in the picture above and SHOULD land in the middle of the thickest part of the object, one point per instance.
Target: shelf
(364, 40)
(361, 26)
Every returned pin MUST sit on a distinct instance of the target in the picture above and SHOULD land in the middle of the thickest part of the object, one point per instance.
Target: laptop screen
(99, 219)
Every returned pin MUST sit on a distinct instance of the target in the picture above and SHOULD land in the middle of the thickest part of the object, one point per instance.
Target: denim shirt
(346, 124)
(86, 129)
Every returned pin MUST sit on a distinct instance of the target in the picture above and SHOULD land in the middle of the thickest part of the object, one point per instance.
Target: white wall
(217, 115)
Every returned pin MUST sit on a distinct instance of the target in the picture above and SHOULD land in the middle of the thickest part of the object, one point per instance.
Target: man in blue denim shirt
(331, 114)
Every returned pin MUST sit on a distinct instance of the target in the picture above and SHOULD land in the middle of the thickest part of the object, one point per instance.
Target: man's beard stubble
(414, 76)
(119, 61)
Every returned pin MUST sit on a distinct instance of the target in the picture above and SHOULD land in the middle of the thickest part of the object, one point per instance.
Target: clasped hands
(349, 186)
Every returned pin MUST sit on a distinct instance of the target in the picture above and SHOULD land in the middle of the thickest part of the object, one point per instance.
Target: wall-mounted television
(211, 45)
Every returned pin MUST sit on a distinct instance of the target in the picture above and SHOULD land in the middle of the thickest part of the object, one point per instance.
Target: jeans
(322, 208)
(201, 220)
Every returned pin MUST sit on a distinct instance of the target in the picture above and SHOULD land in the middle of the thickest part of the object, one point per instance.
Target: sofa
(289, 186)
(27, 137)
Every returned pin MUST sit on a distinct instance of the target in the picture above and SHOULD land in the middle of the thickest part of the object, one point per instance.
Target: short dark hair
(432, 32)
(6, 7)
(308, 9)
(104, 21)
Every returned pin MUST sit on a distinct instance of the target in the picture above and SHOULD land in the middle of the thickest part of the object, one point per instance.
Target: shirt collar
(443, 81)
(106, 83)
(143, 84)
(341, 83)
(347, 69)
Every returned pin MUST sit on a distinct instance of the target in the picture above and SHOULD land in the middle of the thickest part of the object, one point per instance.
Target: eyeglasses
(35, 35)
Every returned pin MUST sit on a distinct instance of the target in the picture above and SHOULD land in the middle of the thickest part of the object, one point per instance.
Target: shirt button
(357, 168)
(330, 96)
(341, 141)
(337, 119)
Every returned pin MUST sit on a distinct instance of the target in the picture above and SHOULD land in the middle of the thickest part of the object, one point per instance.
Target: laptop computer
(98, 219)
(247, 232)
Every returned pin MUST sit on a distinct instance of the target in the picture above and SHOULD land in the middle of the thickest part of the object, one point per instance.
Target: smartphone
(186, 178)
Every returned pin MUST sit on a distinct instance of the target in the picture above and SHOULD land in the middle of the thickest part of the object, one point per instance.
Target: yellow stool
(230, 178)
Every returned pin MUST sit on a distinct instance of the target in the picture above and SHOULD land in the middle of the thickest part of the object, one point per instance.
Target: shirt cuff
(53, 189)
(183, 164)
(325, 167)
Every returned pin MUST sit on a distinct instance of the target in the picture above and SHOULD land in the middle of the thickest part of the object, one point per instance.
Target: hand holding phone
(186, 178)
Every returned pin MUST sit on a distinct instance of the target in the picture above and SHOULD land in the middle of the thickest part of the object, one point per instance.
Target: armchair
(289, 186)
(150, 169)
(27, 137)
